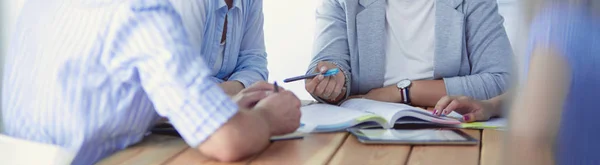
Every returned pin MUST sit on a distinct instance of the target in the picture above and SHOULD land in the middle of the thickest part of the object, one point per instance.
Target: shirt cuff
(198, 121)
(247, 78)
(216, 80)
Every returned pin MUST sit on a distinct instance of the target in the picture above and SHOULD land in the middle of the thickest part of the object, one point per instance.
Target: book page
(383, 109)
(392, 111)
(325, 114)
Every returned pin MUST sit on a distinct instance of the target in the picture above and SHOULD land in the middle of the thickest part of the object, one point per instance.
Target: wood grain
(154, 149)
(492, 147)
(354, 152)
(194, 157)
(313, 149)
(446, 155)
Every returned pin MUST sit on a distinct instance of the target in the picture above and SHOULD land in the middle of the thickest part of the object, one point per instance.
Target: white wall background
(289, 31)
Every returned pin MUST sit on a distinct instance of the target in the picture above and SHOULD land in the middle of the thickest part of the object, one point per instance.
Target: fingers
(249, 99)
(322, 68)
(293, 99)
(329, 89)
(259, 86)
(447, 104)
(442, 104)
(475, 116)
(457, 105)
(340, 79)
(325, 87)
(470, 117)
(286, 96)
(322, 86)
(312, 84)
(324, 81)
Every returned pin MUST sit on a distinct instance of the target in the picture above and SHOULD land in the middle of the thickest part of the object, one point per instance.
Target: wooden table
(329, 148)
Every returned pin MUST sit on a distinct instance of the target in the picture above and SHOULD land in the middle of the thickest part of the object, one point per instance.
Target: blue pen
(329, 72)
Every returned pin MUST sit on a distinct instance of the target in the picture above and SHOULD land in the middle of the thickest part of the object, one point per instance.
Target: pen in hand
(276, 87)
(328, 73)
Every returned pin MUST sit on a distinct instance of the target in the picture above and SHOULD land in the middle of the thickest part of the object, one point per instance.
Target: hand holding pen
(328, 87)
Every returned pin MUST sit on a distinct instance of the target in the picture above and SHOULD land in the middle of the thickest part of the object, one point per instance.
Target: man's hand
(327, 88)
(249, 130)
(281, 110)
(472, 110)
(247, 98)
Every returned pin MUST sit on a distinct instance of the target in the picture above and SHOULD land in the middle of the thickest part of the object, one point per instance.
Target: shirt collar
(236, 4)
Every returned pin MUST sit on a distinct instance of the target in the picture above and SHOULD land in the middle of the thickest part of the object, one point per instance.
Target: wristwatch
(403, 87)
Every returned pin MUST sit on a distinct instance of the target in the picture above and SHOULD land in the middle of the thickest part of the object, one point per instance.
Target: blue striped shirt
(244, 58)
(93, 76)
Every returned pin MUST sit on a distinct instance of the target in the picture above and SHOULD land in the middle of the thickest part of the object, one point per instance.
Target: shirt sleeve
(490, 54)
(153, 45)
(251, 66)
(331, 41)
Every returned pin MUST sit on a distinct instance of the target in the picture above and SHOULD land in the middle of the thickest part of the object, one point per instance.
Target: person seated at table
(411, 52)
(554, 119)
(93, 76)
(229, 35)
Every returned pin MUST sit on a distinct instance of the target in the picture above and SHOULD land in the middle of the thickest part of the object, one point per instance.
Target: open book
(364, 112)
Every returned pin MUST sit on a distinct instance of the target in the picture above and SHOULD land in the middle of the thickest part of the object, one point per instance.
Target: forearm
(247, 75)
(243, 135)
(427, 92)
(528, 151)
(497, 104)
(231, 87)
(535, 120)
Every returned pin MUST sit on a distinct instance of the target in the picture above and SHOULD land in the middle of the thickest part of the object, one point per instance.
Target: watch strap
(405, 96)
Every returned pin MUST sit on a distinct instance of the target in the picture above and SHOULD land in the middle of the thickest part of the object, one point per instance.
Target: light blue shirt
(244, 58)
(574, 33)
(93, 76)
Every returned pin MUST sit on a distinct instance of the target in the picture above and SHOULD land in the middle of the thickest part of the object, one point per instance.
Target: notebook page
(325, 114)
(383, 109)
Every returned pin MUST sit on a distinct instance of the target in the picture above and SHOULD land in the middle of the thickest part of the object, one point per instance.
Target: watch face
(403, 84)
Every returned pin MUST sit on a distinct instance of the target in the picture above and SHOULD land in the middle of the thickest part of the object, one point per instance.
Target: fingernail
(434, 112)
(321, 77)
(323, 69)
(466, 118)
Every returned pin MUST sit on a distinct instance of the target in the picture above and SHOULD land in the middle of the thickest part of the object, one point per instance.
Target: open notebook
(364, 112)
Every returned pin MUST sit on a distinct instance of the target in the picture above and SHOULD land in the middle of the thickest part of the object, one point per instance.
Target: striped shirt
(243, 58)
(93, 76)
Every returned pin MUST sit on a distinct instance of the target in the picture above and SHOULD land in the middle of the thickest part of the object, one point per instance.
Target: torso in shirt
(205, 23)
(410, 42)
(90, 76)
(65, 81)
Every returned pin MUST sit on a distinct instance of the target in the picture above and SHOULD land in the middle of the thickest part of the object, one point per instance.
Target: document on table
(495, 123)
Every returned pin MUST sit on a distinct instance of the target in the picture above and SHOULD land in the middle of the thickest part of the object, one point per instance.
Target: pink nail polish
(434, 112)
(466, 118)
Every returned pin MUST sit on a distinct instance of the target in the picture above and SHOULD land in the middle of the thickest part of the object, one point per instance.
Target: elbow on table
(226, 153)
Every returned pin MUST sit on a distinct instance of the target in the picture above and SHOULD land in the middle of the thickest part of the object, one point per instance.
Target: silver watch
(403, 87)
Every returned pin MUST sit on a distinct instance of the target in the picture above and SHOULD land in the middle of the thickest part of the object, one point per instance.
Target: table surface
(324, 148)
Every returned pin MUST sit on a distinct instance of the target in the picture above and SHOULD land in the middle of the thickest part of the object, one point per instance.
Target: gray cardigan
(472, 52)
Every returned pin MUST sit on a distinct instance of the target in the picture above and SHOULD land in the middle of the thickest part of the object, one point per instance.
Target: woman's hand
(472, 110)
(328, 88)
